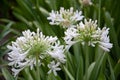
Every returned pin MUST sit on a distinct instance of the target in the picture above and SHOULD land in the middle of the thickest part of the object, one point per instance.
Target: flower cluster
(65, 18)
(26, 49)
(88, 33)
(32, 48)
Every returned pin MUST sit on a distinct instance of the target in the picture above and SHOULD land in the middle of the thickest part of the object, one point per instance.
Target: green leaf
(68, 73)
(98, 64)
(102, 77)
(7, 74)
(24, 6)
(6, 20)
(89, 71)
(26, 74)
(112, 76)
(20, 17)
(80, 69)
(117, 69)
(76, 49)
(6, 30)
(71, 64)
(53, 77)
(33, 73)
(113, 35)
(44, 11)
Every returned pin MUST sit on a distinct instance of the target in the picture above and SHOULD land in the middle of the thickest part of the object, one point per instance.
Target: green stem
(86, 57)
(85, 12)
(37, 3)
(37, 66)
(99, 13)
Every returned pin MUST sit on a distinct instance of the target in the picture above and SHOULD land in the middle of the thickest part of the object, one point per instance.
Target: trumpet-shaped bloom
(31, 45)
(65, 18)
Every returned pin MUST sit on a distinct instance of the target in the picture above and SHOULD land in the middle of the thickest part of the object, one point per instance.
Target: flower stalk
(86, 57)
(99, 13)
(37, 67)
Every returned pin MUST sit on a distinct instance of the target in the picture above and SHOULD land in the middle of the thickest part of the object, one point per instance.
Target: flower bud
(86, 2)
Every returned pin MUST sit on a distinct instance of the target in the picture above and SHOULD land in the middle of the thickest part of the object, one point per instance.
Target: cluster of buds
(85, 2)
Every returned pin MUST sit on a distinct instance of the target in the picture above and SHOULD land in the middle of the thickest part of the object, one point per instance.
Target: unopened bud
(86, 2)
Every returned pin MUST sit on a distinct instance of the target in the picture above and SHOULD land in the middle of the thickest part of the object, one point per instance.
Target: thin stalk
(99, 13)
(37, 66)
(86, 57)
(37, 3)
(66, 77)
(85, 12)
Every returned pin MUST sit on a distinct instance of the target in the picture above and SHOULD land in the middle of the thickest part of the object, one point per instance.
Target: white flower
(88, 33)
(57, 53)
(54, 67)
(65, 18)
(70, 34)
(25, 49)
(83, 32)
(104, 42)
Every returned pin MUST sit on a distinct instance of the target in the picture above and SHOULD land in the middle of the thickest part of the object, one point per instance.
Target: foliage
(32, 14)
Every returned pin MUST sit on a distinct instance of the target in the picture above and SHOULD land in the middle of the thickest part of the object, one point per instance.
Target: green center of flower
(86, 33)
(38, 48)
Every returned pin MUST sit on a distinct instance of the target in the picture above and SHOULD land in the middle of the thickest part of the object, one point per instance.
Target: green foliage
(7, 75)
(32, 14)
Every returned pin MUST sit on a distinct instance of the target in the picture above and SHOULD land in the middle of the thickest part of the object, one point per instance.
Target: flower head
(25, 49)
(88, 33)
(65, 18)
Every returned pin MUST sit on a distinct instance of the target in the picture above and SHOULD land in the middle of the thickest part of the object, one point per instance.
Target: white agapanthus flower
(31, 45)
(88, 33)
(65, 18)
(54, 67)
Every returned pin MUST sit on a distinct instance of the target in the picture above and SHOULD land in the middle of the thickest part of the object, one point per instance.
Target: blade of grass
(98, 64)
(117, 69)
(7, 74)
(112, 76)
(68, 73)
(26, 74)
(80, 69)
(20, 17)
(89, 71)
